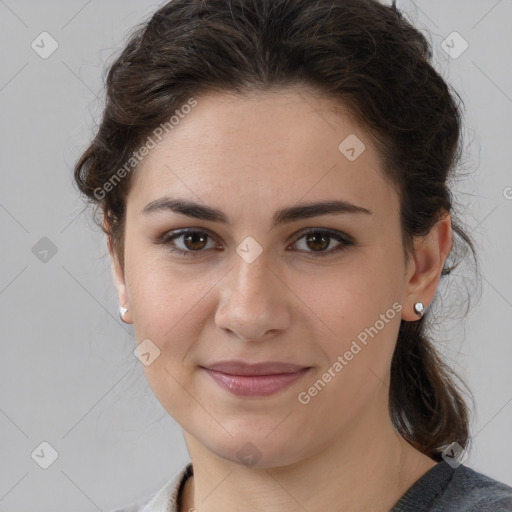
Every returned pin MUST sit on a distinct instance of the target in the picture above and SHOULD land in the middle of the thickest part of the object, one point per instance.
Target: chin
(258, 450)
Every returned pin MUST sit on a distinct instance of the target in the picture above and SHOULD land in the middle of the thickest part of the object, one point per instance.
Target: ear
(424, 268)
(119, 282)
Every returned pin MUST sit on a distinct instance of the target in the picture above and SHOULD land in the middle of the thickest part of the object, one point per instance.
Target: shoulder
(461, 489)
(475, 492)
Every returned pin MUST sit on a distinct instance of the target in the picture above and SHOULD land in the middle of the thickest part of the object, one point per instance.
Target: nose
(254, 301)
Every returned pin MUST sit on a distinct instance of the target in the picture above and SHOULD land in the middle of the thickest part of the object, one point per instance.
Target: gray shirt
(441, 489)
(445, 489)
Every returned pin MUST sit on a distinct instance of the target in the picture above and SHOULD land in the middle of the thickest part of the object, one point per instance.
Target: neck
(369, 467)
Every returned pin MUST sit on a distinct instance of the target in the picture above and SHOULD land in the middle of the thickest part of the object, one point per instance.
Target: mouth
(260, 379)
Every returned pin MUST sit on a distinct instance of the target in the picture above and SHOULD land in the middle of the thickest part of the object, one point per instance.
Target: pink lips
(261, 379)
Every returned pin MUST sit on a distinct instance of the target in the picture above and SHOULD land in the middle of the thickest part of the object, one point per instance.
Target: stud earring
(419, 309)
(122, 311)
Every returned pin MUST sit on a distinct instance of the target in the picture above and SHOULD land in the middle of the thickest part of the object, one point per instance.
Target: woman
(272, 178)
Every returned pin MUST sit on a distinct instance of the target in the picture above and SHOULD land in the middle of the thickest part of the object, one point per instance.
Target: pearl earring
(122, 311)
(419, 309)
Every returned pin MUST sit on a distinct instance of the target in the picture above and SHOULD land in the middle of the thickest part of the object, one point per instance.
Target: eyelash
(344, 240)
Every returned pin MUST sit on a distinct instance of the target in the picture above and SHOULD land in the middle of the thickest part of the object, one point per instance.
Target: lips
(266, 368)
(254, 380)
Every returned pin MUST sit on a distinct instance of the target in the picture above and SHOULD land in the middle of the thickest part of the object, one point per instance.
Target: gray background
(67, 372)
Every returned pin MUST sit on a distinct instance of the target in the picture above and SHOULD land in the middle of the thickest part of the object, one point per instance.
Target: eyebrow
(282, 216)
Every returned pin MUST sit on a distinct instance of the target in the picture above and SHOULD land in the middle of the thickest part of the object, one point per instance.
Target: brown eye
(317, 241)
(187, 243)
(195, 241)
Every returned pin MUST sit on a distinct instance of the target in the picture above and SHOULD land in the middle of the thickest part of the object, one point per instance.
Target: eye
(320, 239)
(190, 242)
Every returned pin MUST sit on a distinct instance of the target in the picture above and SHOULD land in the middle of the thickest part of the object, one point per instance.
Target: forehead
(263, 147)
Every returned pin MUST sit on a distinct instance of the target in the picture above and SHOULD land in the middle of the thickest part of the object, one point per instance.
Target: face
(321, 289)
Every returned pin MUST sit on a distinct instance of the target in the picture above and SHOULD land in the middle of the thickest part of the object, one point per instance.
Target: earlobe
(430, 255)
(120, 285)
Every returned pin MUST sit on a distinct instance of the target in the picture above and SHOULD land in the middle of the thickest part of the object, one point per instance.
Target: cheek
(360, 304)
(353, 295)
(357, 357)
(162, 295)
(169, 310)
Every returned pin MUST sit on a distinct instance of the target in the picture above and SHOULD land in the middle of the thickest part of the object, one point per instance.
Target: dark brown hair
(362, 53)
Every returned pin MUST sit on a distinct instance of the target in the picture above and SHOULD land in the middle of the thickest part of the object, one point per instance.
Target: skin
(250, 156)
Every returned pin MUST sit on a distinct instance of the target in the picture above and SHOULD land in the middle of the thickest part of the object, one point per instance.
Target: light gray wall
(67, 373)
